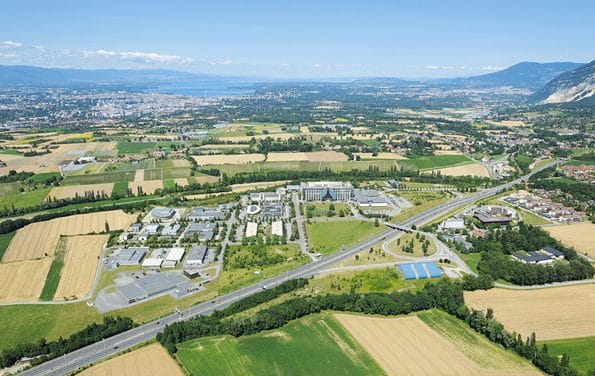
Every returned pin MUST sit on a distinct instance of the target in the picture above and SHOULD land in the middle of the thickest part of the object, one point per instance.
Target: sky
(297, 39)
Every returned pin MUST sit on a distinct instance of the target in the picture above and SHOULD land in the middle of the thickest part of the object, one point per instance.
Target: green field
(9, 188)
(580, 350)
(167, 173)
(169, 184)
(4, 242)
(232, 169)
(314, 345)
(112, 177)
(39, 178)
(135, 147)
(434, 161)
(120, 188)
(53, 278)
(327, 237)
(143, 147)
(24, 200)
(10, 151)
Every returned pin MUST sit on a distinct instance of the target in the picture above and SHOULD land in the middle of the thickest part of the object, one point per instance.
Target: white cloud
(491, 68)
(144, 57)
(10, 44)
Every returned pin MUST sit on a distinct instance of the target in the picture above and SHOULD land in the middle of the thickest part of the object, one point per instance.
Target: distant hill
(21, 75)
(525, 75)
(578, 85)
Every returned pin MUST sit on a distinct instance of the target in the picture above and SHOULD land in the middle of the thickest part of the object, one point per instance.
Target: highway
(94, 353)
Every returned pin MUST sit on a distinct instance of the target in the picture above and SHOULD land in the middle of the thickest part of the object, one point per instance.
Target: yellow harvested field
(581, 236)
(148, 186)
(407, 346)
(41, 238)
(182, 182)
(80, 265)
(394, 156)
(151, 360)
(181, 163)
(219, 159)
(304, 129)
(71, 191)
(250, 186)
(64, 154)
(139, 175)
(447, 152)
(470, 169)
(552, 313)
(315, 156)
(23, 281)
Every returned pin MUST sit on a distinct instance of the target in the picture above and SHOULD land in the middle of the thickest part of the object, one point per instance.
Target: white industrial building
(326, 191)
(152, 263)
(277, 228)
(452, 224)
(251, 229)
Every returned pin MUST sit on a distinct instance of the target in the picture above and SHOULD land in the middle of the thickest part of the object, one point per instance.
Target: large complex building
(326, 191)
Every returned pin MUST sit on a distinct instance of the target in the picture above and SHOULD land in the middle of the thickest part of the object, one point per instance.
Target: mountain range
(556, 82)
(577, 85)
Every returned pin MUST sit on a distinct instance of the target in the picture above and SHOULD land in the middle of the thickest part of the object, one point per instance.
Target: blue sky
(297, 38)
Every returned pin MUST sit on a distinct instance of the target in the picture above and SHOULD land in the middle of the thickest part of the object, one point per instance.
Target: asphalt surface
(94, 353)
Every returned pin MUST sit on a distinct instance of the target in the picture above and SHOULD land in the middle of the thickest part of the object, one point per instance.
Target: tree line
(444, 294)
(43, 350)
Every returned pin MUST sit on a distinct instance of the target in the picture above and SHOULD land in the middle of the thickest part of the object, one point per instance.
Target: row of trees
(444, 294)
(495, 332)
(43, 350)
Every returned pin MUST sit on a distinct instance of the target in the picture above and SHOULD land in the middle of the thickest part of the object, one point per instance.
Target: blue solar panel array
(420, 270)
(407, 271)
(433, 269)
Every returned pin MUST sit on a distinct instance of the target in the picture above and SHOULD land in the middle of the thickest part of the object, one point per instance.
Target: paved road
(95, 352)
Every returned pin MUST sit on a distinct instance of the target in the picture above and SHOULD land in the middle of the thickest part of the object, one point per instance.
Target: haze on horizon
(305, 39)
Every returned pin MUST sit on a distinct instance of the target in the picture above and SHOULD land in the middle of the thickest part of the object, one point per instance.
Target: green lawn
(434, 161)
(4, 242)
(580, 350)
(321, 209)
(314, 345)
(25, 199)
(471, 259)
(327, 237)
